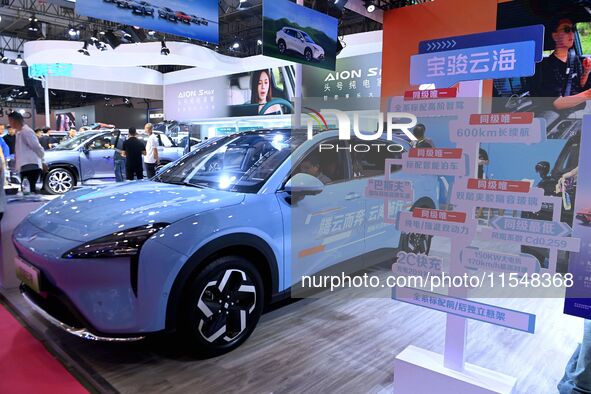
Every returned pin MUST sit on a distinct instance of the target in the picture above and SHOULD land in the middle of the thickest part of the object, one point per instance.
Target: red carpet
(26, 366)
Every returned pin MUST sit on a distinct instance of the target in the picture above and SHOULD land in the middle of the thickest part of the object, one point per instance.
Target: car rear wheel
(222, 307)
(59, 181)
(281, 47)
(308, 54)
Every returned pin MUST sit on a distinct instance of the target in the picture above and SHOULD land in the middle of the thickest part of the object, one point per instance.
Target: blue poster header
(528, 33)
(444, 69)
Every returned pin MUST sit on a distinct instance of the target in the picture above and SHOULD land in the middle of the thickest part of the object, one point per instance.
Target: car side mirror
(304, 184)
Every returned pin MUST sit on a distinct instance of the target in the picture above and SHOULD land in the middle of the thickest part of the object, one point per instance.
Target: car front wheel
(281, 47)
(222, 307)
(59, 181)
(308, 54)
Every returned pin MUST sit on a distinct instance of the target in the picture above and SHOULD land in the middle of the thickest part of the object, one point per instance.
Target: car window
(373, 163)
(568, 158)
(329, 166)
(104, 141)
(584, 29)
(72, 143)
(164, 141)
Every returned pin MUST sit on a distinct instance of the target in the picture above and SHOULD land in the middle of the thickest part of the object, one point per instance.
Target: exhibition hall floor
(334, 343)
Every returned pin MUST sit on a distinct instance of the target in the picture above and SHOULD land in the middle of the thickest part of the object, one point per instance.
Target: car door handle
(352, 196)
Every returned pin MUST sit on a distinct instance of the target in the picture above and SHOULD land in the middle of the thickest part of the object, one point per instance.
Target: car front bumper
(69, 324)
(100, 298)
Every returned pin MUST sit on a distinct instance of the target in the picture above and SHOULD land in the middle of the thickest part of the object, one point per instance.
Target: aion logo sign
(399, 121)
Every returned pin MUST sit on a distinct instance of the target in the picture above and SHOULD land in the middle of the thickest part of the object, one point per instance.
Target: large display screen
(299, 34)
(557, 91)
(197, 19)
(261, 92)
(353, 84)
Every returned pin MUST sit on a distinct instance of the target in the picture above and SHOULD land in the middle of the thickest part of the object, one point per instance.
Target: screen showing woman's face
(263, 88)
(564, 36)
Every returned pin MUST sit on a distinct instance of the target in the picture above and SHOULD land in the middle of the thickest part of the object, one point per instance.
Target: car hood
(318, 47)
(90, 213)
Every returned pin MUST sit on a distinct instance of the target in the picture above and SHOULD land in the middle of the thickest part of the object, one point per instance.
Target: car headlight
(119, 244)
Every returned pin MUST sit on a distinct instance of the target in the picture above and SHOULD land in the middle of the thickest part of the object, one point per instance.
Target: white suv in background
(290, 39)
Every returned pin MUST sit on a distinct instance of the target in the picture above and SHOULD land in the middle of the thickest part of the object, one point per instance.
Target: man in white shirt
(151, 158)
(29, 153)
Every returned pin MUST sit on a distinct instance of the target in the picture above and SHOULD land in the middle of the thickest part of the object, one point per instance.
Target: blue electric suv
(204, 246)
(89, 157)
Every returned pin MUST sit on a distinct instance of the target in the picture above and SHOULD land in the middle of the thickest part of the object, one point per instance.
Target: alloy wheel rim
(225, 306)
(60, 182)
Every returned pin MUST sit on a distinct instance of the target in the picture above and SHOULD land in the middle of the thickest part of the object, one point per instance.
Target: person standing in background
(29, 152)
(45, 139)
(119, 160)
(422, 141)
(151, 159)
(5, 150)
(133, 149)
(72, 133)
(10, 139)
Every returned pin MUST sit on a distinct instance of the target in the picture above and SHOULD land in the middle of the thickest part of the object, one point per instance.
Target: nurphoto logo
(395, 122)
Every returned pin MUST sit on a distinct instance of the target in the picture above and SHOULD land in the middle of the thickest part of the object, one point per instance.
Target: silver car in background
(89, 157)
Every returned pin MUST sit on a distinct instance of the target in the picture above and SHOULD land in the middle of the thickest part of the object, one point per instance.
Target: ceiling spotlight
(33, 18)
(72, 32)
(84, 49)
(370, 6)
(259, 42)
(19, 59)
(152, 33)
(164, 51)
(236, 45)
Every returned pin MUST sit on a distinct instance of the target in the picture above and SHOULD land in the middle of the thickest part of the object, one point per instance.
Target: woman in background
(261, 92)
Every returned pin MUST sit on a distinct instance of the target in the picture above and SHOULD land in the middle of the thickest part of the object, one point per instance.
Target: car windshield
(308, 38)
(240, 163)
(72, 143)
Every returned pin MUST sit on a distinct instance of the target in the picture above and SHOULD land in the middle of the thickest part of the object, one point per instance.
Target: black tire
(216, 317)
(414, 242)
(281, 46)
(308, 54)
(59, 181)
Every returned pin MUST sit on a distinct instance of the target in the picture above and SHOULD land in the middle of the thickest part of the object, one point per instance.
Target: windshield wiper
(183, 183)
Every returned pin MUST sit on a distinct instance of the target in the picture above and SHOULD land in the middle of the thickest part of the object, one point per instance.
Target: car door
(292, 41)
(97, 156)
(325, 229)
(300, 43)
(369, 166)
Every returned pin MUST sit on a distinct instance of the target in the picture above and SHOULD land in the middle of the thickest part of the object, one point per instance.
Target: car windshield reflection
(241, 163)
